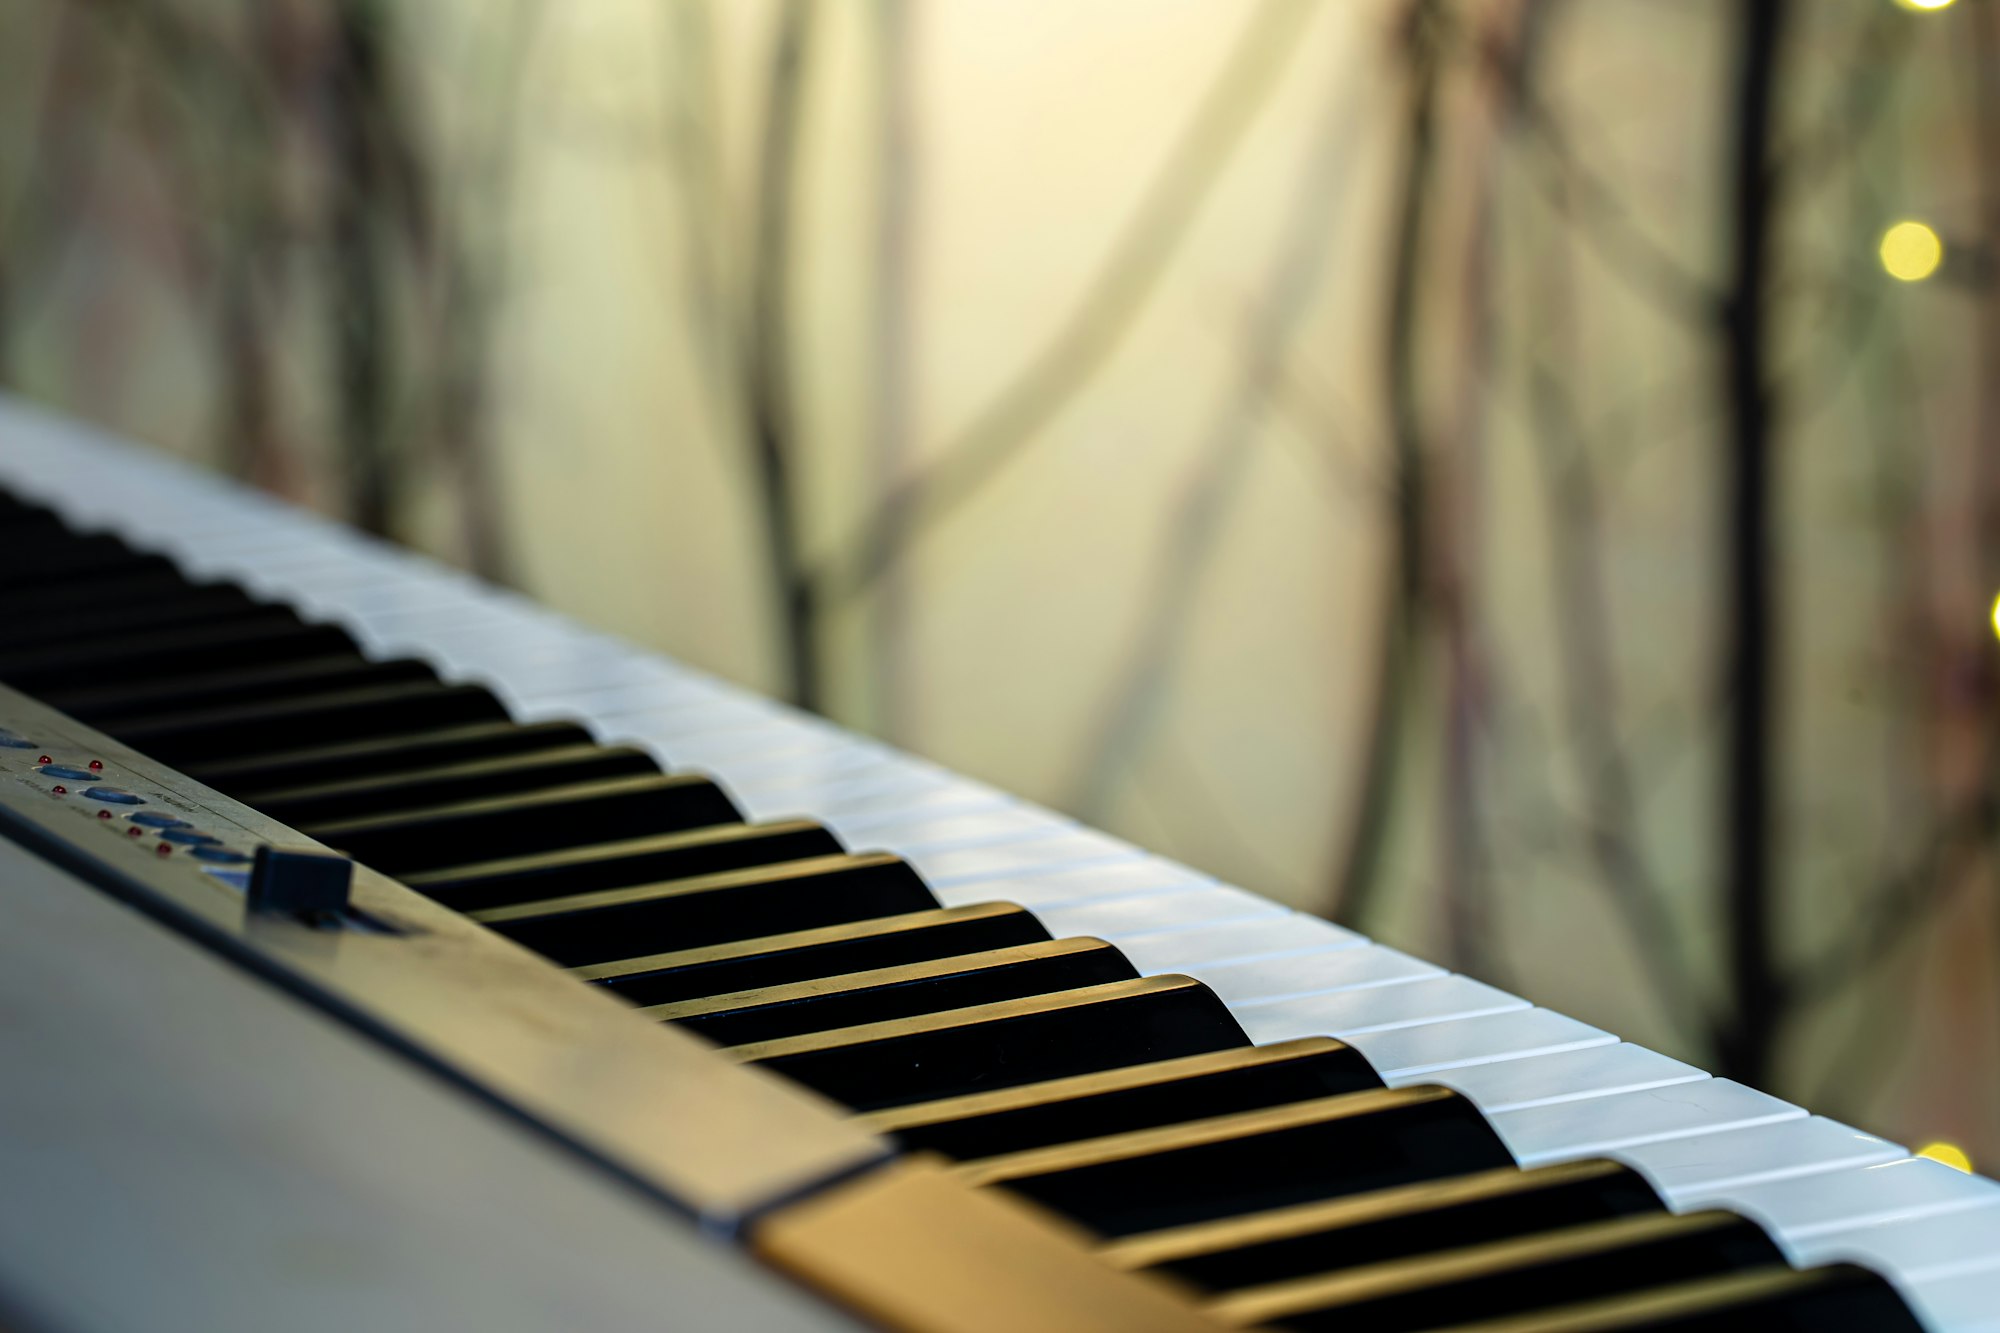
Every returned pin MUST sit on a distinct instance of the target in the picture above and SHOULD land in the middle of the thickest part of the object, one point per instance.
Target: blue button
(10, 741)
(151, 820)
(113, 795)
(219, 855)
(60, 771)
(188, 837)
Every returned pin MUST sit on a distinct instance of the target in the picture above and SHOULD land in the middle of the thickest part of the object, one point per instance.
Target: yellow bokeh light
(1950, 1154)
(1911, 251)
(1996, 616)
(1925, 6)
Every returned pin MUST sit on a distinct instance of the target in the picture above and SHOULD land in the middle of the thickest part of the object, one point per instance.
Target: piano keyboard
(1299, 1126)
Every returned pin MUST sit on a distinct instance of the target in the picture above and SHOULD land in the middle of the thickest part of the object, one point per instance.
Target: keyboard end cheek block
(691, 913)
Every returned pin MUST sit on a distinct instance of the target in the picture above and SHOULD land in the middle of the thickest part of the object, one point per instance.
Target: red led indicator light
(104, 814)
(45, 760)
(61, 790)
(97, 765)
(164, 849)
(135, 832)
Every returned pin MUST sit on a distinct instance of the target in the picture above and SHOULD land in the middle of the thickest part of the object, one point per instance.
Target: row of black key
(1286, 1181)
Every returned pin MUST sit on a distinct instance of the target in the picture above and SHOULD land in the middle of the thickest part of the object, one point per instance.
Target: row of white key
(1555, 1089)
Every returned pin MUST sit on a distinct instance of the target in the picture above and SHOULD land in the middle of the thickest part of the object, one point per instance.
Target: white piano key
(727, 754)
(869, 814)
(485, 634)
(394, 606)
(504, 624)
(604, 701)
(1116, 919)
(567, 691)
(1404, 1053)
(1270, 981)
(997, 875)
(1938, 1246)
(746, 721)
(1345, 1014)
(1024, 864)
(689, 714)
(925, 832)
(1541, 1134)
(824, 768)
(813, 794)
(1566, 1076)
(1855, 1196)
(1284, 936)
(1962, 1303)
(595, 678)
(1684, 1170)
(364, 582)
(828, 758)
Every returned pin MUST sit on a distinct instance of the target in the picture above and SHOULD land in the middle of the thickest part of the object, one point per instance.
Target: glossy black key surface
(1291, 1154)
(380, 793)
(141, 656)
(1519, 1276)
(899, 992)
(77, 560)
(693, 912)
(139, 601)
(312, 766)
(110, 706)
(629, 862)
(1003, 1045)
(1392, 1224)
(528, 823)
(186, 739)
(774, 960)
(1136, 1097)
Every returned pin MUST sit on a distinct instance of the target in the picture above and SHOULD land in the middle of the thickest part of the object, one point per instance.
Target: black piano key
(81, 559)
(109, 707)
(630, 862)
(250, 777)
(382, 793)
(1208, 1169)
(528, 823)
(1513, 1277)
(1387, 1225)
(138, 656)
(97, 630)
(139, 601)
(804, 893)
(1840, 1298)
(1135, 1097)
(1002, 1045)
(774, 960)
(186, 739)
(20, 514)
(882, 994)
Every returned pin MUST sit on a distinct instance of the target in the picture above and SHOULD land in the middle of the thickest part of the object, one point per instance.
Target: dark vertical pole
(358, 270)
(1358, 873)
(768, 368)
(1750, 626)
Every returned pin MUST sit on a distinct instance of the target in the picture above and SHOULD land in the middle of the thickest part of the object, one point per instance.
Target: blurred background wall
(1475, 468)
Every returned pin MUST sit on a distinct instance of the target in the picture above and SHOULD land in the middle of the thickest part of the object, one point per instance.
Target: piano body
(385, 951)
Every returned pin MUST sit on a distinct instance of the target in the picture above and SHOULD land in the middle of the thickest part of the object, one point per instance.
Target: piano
(384, 950)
